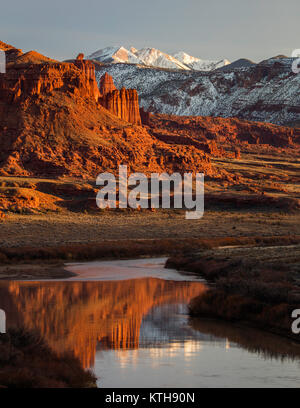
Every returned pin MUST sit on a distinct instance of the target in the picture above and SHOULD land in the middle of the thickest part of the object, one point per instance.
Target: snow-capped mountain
(198, 64)
(268, 91)
(115, 55)
(155, 58)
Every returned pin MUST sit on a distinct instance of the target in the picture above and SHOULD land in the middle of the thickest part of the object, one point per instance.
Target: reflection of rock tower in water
(84, 316)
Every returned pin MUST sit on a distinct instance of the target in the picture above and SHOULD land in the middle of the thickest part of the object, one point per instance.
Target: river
(128, 321)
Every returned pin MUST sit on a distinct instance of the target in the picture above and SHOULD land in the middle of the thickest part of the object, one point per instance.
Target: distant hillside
(240, 63)
(266, 92)
(32, 57)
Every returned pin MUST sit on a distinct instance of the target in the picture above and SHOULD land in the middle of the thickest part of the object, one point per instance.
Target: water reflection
(137, 333)
(267, 345)
(82, 316)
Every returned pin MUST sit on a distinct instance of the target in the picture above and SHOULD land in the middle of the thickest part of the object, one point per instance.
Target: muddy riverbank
(258, 286)
(46, 262)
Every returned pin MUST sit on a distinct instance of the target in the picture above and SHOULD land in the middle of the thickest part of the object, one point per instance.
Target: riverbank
(257, 286)
(26, 361)
(39, 271)
(36, 246)
(47, 262)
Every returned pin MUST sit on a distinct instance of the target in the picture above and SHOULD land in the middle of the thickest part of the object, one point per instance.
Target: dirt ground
(259, 198)
(54, 229)
(51, 212)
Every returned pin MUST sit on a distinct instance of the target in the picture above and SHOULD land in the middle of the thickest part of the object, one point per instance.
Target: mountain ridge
(264, 92)
(155, 58)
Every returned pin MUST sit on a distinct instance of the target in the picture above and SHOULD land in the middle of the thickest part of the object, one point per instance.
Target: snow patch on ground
(265, 92)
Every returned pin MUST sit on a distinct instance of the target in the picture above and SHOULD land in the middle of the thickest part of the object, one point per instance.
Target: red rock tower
(88, 69)
(123, 103)
(106, 84)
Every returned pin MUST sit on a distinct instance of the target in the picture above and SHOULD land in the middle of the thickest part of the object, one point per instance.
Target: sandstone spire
(106, 84)
(123, 103)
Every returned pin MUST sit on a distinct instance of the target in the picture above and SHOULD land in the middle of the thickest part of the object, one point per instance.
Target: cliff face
(28, 76)
(123, 103)
(145, 117)
(55, 121)
(106, 84)
(88, 81)
(214, 135)
(11, 52)
(52, 124)
(23, 81)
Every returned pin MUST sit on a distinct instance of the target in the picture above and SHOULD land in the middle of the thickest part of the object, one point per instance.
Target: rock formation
(123, 103)
(52, 124)
(80, 57)
(226, 134)
(11, 52)
(23, 81)
(54, 121)
(106, 84)
(265, 92)
(88, 81)
(237, 153)
(145, 117)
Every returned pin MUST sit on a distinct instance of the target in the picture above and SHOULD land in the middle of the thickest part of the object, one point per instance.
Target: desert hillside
(57, 122)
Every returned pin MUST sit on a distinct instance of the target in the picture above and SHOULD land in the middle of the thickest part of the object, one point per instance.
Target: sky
(213, 29)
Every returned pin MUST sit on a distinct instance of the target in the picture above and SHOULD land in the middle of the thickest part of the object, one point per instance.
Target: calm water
(128, 321)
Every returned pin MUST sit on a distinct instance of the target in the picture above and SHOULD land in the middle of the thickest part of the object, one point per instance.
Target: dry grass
(27, 362)
(111, 249)
(257, 341)
(260, 285)
(266, 316)
(61, 229)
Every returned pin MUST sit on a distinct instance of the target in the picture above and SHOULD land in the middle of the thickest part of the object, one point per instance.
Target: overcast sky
(212, 29)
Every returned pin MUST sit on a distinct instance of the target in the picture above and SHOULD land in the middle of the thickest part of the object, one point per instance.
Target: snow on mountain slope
(198, 64)
(268, 91)
(116, 55)
(157, 58)
(240, 63)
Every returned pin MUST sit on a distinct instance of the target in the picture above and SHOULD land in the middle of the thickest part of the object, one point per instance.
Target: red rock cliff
(11, 52)
(123, 103)
(23, 81)
(145, 117)
(51, 123)
(106, 84)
